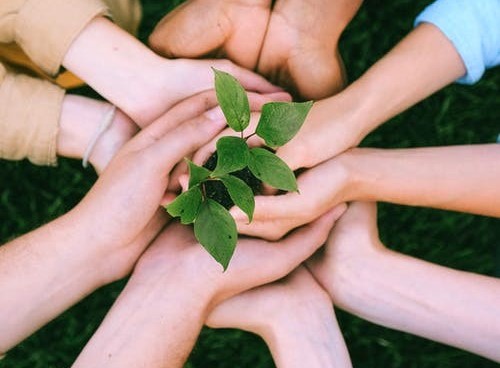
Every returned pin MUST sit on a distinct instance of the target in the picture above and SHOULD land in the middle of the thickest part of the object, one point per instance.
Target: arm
(80, 119)
(137, 80)
(421, 64)
(51, 268)
(457, 178)
(362, 276)
(157, 318)
(295, 318)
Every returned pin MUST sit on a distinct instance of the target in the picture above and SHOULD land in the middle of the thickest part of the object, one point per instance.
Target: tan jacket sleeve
(45, 29)
(30, 109)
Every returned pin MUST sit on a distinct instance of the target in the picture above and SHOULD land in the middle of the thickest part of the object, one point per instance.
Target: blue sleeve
(473, 26)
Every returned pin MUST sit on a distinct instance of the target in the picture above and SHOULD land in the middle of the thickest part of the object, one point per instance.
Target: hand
(126, 198)
(177, 255)
(282, 46)
(295, 318)
(405, 293)
(157, 318)
(261, 309)
(300, 50)
(138, 81)
(180, 175)
(188, 31)
(321, 189)
(352, 244)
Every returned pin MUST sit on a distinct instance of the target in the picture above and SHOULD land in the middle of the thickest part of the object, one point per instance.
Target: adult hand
(406, 293)
(321, 189)
(190, 31)
(157, 318)
(295, 318)
(294, 44)
(138, 81)
(128, 194)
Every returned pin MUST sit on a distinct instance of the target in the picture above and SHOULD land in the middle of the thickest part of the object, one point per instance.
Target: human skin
(365, 278)
(81, 118)
(157, 318)
(141, 83)
(422, 63)
(49, 269)
(295, 318)
(458, 178)
(294, 43)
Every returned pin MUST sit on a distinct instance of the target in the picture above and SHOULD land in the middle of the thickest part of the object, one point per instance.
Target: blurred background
(31, 196)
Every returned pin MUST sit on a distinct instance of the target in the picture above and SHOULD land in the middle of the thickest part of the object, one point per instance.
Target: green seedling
(214, 227)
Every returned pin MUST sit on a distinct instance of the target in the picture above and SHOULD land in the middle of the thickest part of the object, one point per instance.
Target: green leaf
(215, 229)
(240, 193)
(197, 174)
(186, 205)
(271, 169)
(280, 121)
(233, 100)
(232, 155)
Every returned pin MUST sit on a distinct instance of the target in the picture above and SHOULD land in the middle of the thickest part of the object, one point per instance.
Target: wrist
(126, 72)
(307, 334)
(80, 119)
(354, 285)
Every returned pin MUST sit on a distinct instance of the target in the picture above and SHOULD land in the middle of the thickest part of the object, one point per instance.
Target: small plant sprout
(214, 227)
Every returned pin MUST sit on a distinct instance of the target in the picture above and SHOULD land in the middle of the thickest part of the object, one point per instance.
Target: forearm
(459, 178)
(421, 64)
(119, 67)
(154, 323)
(449, 306)
(80, 119)
(310, 337)
(42, 274)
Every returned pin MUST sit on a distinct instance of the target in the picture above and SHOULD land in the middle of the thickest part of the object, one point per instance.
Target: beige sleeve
(45, 29)
(30, 109)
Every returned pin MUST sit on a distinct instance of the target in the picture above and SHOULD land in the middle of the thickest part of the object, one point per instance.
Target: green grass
(31, 196)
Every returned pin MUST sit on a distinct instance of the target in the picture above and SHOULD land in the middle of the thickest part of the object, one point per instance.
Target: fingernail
(215, 114)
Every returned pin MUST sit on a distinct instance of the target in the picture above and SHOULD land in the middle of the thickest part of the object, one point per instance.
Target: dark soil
(218, 192)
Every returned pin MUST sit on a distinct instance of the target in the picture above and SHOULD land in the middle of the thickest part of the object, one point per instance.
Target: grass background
(31, 196)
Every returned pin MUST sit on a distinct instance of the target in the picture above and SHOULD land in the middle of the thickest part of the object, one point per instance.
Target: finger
(272, 207)
(167, 198)
(181, 141)
(303, 242)
(257, 100)
(279, 259)
(188, 31)
(189, 108)
(184, 182)
(180, 169)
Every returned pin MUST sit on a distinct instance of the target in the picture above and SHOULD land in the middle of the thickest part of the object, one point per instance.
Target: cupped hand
(227, 29)
(125, 199)
(321, 189)
(294, 44)
(257, 310)
(176, 254)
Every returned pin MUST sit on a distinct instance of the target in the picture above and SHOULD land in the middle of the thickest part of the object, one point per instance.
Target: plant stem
(247, 137)
(203, 191)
